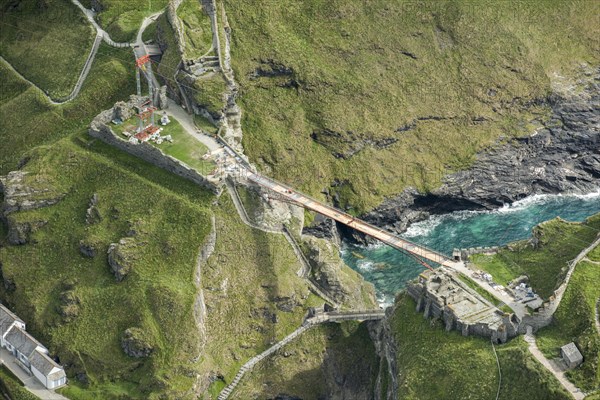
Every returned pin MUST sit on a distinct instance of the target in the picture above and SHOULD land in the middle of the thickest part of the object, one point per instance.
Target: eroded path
(555, 368)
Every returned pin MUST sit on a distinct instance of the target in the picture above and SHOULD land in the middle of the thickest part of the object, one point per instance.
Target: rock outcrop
(135, 343)
(337, 280)
(24, 192)
(92, 214)
(385, 347)
(121, 257)
(561, 157)
(88, 249)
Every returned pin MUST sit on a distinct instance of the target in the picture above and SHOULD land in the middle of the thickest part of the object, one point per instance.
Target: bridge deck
(351, 221)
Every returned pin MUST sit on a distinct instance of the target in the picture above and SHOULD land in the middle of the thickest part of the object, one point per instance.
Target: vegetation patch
(47, 42)
(122, 19)
(11, 385)
(464, 367)
(29, 120)
(157, 295)
(209, 92)
(575, 321)
(365, 99)
(330, 360)
(197, 29)
(543, 258)
(258, 270)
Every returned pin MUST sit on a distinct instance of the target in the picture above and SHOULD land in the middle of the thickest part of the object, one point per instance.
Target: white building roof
(47, 366)
(22, 341)
(7, 318)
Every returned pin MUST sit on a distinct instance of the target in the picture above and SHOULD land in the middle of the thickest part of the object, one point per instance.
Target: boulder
(136, 343)
(92, 214)
(87, 249)
(121, 257)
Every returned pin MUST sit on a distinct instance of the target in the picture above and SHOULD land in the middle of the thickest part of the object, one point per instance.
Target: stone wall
(100, 129)
(495, 324)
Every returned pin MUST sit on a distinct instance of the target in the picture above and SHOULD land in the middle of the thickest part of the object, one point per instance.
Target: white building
(30, 354)
(7, 320)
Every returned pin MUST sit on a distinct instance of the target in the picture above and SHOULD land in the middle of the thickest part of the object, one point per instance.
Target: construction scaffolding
(146, 108)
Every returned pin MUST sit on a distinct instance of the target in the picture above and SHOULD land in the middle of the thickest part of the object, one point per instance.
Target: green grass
(29, 120)
(122, 19)
(546, 265)
(12, 386)
(349, 76)
(197, 29)
(258, 270)
(204, 125)
(209, 91)
(159, 291)
(463, 367)
(184, 147)
(48, 45)
(307, 371)
(574, 321)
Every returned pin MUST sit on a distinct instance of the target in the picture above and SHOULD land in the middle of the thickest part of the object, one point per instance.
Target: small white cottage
(30, 354)
(7, 320)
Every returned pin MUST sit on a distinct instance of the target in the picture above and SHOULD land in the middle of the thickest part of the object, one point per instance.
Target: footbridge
(419, 252)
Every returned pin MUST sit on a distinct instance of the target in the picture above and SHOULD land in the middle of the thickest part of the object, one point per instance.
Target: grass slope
(559, 241)
(414, 89)
(46, 41)
(575, 320)
(306, 367)
(258, 270)
(158, 292)
(463, 367)
(28, 119)
(122, 19)
(197, 28)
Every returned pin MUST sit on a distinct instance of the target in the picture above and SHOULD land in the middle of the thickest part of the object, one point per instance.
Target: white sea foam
(385, 301)
(365, 265)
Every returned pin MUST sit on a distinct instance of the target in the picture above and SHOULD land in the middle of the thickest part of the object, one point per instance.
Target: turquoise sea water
(389, 270)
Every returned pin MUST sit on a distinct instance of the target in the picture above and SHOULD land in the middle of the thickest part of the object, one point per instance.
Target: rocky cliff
(563, 156)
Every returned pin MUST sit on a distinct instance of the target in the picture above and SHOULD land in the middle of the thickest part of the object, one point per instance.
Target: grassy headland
(378, 96)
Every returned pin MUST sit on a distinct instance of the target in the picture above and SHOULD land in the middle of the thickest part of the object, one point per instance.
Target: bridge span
(413, 249)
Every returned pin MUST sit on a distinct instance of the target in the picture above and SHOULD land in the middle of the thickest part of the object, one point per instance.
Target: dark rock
(347, 144)
(323, 228)
(135, 228)
(286, 304)
(92, 214)
(135, 343)
(285, 397)
(69, 305)
(270, 68)
(9, 284)
(19, 232)
(82, 377)
(87, 249)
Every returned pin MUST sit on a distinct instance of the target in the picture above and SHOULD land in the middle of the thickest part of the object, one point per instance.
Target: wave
(365, 265)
